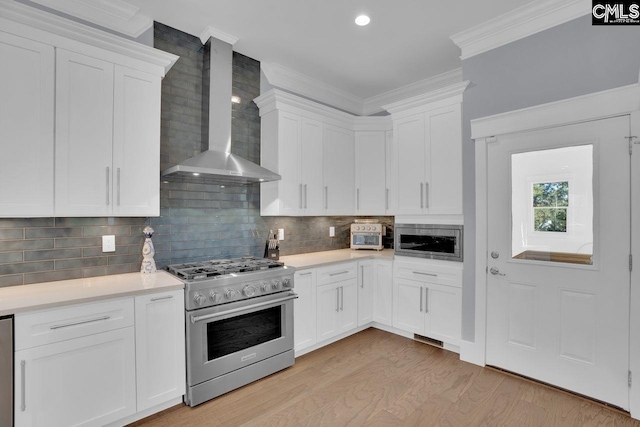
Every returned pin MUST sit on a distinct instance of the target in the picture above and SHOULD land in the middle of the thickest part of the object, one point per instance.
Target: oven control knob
(215, 297)
(265, 287)
(286, 283)
(199, 299)
(230, 293)
(368, 228)
(276, 285)
(249, 291)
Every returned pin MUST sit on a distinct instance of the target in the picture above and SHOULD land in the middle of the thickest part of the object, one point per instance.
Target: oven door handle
(195, 319)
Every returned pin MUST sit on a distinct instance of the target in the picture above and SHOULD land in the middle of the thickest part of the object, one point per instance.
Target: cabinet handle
(82, 322)
(338, 273)
(162, 298)
(357, 198)
(425, 274)
(386, 198)
(326, 197)
(118, 173)
(421, 196)
(337, 299)
(341, 298)
(420, 299)
(426, 194)
(305, 196)
(107, 185)
(426, 300)
(23, 383)
(305, 274)
(300, 196)
(362, 276)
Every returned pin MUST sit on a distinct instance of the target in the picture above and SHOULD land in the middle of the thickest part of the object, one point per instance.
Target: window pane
(552, 205)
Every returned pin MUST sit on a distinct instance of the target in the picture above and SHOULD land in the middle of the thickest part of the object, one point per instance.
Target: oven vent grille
(427, 340)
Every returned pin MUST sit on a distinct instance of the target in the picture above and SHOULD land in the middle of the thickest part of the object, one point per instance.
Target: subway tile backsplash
(197, 221)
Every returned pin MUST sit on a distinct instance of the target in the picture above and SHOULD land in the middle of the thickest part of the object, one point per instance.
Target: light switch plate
(108, 243)
(280, 233)
(332, 232)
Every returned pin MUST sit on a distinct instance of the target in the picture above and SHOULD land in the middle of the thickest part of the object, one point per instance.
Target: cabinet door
(383, 292)
(339, 176)
(409, 140)
(84, 135)
(160, 341)
(88, 381)
(289, 187)
(328, 311)
(136, 143)
(348, 305)
(444, 175)
(304, 309)
(311, 167)
(370, 173)
(443, 320)
(408, 312)
(391, 192)
(366, 285)
(26, 126)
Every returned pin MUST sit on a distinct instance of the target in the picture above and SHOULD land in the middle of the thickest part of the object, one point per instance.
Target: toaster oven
(367, 236)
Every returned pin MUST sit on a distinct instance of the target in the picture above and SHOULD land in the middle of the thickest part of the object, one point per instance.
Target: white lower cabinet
(383, 292)
(366, 287)
(424, 306)
(160, 360)
(304, 309)
(87, 381)
(337, 308)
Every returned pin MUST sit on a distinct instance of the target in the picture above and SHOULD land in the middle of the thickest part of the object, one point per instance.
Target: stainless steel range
(239, 316)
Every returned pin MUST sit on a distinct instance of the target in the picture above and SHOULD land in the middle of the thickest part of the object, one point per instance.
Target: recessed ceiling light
(362, 20)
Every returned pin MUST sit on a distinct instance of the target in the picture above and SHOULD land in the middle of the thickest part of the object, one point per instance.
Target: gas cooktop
(214, 268)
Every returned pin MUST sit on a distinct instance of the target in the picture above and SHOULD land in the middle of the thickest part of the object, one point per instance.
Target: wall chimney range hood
(217, 165)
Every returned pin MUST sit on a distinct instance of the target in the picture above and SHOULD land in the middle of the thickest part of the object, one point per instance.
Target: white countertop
(15, 299)
(317, 259)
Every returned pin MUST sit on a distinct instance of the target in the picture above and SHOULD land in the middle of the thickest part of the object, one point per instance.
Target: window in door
(552, 205)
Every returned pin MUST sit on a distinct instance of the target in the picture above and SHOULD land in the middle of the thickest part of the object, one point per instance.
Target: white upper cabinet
(313, 148)
(371, 171)
(26, 125)
(339, 178)
(428, 153)
(106, 104)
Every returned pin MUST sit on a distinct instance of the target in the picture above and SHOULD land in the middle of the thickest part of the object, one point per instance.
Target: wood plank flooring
(375, 378)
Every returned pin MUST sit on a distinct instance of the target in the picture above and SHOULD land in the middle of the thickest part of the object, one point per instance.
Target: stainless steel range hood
(217, 165)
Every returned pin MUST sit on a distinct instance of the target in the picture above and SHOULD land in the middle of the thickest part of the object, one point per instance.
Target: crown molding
(29, 22)
(293, 81)
(374, 104)
(423, 100)
(217, 34)
(116, 15)
(522, 22)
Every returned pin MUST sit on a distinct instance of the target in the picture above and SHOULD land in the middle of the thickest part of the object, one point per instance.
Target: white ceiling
(406, 41)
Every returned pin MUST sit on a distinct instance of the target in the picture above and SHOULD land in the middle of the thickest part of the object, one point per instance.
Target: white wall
(572, 164)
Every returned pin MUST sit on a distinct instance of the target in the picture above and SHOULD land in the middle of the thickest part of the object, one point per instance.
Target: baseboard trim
(147, 412)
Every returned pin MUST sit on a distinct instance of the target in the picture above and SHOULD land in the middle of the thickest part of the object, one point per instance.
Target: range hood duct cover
(217, 165)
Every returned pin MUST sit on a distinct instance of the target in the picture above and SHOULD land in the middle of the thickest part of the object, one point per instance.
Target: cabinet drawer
(443, 275)
(60, 324)
(337, 273)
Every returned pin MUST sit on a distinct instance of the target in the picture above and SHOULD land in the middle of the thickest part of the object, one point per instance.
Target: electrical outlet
(108, 243)
(332, 232)
(280, 233)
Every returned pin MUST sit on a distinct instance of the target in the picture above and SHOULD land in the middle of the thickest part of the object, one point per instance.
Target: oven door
(366, 240)
(224, 338)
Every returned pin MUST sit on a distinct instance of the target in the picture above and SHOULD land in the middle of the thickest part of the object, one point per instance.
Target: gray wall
(569, 60)
(197, 221)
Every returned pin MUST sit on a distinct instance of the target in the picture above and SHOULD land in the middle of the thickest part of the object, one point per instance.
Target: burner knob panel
(249, 291)
(230, 293)
(199, 299)
(215, 297)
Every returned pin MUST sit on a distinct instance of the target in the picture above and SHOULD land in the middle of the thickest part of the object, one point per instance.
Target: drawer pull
(82, 322)
(23, 382)
(162, 298)
(425, 274)
(305, 274)
(338, 273)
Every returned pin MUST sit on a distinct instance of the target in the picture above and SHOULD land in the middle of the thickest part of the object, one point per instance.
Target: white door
(370, 173)
(559, 239)
(409, 141)
(289, 195)
(328, 310)
(408, 310)
(339, 176)
(348, 318)
(304, 309)
(383, 292)
(366, 286)
(311, 167)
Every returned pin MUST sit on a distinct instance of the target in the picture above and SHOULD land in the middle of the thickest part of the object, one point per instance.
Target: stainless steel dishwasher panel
(6, 371)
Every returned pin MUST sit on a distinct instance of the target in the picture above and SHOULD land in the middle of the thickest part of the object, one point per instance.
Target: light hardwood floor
(375, 378)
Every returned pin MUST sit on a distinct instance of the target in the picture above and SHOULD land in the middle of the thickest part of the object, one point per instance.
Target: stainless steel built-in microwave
(429, 241)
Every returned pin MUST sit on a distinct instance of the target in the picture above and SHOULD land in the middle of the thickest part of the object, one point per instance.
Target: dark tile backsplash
(197, 221)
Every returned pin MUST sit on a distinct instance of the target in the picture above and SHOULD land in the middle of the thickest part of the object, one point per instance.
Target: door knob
(496, 272)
